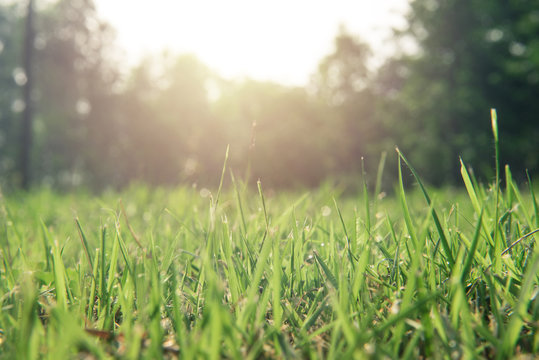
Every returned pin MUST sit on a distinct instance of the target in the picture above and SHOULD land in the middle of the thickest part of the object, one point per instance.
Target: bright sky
(278, 40)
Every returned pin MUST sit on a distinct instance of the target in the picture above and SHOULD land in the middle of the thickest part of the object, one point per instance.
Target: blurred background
(101, 94)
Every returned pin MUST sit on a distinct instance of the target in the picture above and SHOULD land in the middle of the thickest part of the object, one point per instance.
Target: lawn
(256, 273)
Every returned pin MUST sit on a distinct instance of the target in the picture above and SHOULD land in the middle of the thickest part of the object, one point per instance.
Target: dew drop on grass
(395, 308)
(369, 348)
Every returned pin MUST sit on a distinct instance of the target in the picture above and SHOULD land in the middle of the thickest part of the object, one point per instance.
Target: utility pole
(27, 115)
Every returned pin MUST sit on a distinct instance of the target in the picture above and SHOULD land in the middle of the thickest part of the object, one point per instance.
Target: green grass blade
(91, 295)
(379, 175)
(113, 264)
(239, 202)
(520, 311)
(348, 245)
(85, 244)
(405, 313)
(222, 177)
(404, 208)
(331, 278)
(276, 287)
(470, 188)
(439, 228)
(365, 198)
(534, 200)
(59, 275)
(471, 251)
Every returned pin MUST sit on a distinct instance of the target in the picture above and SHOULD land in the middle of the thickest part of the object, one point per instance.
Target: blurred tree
(344, 73)
(185, 106)
(473, 55)
(76, 124)
(169, 133)
(344, 82)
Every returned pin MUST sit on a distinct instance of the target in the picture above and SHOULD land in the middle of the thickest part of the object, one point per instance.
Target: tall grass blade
(276, 287)
(91, 295)
(439, 228)
(331, 278)
(379, 175)
(496, 237)
(365, 198)
(520, 311)
(239, 202)
(404, 207)
(348, 245)
(113, 264)
(59, 274)
(470, 188)
(534, 200)
(85, 244)
(471, 251)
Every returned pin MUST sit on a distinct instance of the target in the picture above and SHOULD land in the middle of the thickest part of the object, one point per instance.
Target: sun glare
(278, 40)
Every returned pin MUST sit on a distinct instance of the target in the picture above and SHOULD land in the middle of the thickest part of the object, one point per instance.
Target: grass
(183, 274)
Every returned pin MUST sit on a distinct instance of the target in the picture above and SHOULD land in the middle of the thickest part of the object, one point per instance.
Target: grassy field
(189, 273)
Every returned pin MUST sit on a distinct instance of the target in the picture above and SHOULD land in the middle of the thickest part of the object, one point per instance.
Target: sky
(278, 40)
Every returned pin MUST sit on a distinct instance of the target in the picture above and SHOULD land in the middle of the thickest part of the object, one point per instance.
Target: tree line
(71, 115)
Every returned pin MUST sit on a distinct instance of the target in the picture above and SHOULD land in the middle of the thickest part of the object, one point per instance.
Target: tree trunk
(26, 131)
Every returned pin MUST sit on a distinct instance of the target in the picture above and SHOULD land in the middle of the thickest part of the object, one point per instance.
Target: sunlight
(280, 40)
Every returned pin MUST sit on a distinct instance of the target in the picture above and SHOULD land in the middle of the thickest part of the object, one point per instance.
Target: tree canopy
(473, 56)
